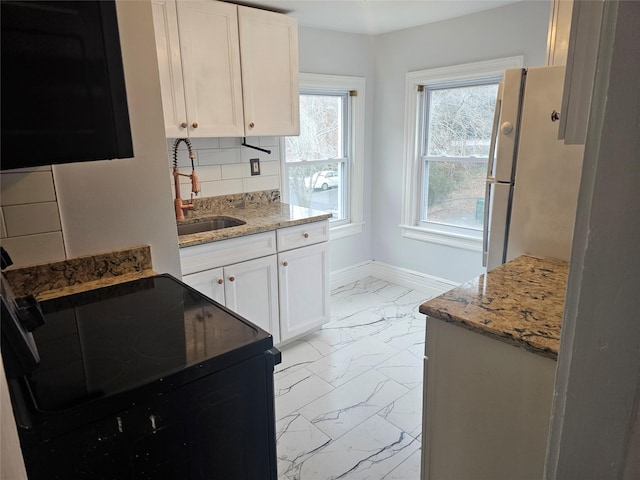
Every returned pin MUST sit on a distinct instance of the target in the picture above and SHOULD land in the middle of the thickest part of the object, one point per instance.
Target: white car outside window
(323, 180)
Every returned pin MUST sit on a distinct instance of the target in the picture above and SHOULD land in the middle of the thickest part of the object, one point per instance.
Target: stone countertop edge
(93, 285)
(65, 277)
(520, 303)
(258, 218)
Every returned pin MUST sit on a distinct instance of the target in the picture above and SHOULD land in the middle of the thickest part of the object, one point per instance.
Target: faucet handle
(195, 185)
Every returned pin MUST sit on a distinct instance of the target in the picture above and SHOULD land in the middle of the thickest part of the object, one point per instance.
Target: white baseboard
(422, 282)
(350, 274)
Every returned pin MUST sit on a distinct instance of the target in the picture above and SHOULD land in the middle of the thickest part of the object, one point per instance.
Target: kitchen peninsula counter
(520, 303)
(490, 360)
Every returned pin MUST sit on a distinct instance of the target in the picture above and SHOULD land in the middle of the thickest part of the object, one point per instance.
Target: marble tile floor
(349, 396)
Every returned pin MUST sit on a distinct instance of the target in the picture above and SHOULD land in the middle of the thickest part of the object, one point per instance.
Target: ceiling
(374, 16)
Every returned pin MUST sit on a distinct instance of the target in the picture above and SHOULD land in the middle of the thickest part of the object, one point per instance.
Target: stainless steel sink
(208, 225)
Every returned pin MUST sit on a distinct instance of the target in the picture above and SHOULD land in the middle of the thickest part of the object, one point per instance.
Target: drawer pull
(220, 281)
(305, 235)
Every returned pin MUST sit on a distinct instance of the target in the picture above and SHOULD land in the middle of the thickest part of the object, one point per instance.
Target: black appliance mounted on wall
(62, 87)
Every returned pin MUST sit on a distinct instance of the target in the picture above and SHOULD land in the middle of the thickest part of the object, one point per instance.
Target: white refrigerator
(532, 177)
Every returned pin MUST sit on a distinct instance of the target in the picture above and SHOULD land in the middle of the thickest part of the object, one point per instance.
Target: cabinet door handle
(194, 124)
(232, 278)
(252, 124)
(184, 124)
(285, 264)
(220, 281)
(305, 235)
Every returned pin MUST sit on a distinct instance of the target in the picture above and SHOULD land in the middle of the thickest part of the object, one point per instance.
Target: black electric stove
(111, 357)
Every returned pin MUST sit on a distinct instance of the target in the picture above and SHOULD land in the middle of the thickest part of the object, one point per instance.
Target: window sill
(345, 230)
(464, 242)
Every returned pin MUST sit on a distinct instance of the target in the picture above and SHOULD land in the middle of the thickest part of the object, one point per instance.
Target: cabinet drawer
(302, 235)
(225, 252)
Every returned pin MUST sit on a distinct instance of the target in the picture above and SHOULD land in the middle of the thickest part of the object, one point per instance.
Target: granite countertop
(65, 277)
(520, 303)
(261, 217)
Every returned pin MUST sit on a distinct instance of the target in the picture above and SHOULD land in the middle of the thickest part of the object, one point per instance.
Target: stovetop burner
(97, 344)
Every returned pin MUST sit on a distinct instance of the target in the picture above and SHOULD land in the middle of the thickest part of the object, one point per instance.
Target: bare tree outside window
(314, 160)
(458, 134)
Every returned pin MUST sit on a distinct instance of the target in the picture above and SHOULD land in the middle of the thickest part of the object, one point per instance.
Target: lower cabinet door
(304, 289)
(251, 290)
(209, 283)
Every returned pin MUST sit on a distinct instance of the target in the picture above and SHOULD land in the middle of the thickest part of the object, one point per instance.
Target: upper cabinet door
(165, 22)
(211, 68)
(269, 44)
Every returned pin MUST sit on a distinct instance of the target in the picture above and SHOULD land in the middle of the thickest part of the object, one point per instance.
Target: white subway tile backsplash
(249, 153)
(31, 219)
(230, 142)
(235, 171)
(27, 187)
(205, 143)
(258, 183)
(222, 187)
(221, 156)
(269, 141)
(222, 165)
(209, 173)
(32, 249)
(269, 168)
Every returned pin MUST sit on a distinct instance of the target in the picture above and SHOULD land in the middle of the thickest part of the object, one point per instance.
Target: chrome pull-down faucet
(180, 207)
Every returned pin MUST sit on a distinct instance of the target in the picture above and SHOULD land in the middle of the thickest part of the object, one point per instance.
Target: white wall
(516, 29)
(594, 430)
(108, 205)
(336, 53)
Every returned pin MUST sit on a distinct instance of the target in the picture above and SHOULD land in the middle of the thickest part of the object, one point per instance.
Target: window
(449, 121)
(322, 167)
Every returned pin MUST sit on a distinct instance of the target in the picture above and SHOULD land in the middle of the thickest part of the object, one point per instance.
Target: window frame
(354, 149)
(411, 225)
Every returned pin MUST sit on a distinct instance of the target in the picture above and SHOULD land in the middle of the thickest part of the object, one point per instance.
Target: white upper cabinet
(206, 91)
(582, 56)
(269, 53)
(559, 28)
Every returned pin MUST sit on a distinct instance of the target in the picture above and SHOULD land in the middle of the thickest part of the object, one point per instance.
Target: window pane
(460, 120)
(317, 185)
(459, 124)
(456, 193)
(321, 129)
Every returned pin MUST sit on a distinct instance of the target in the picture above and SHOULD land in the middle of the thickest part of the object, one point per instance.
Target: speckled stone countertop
(520, 303)
(262, 213)
(57, 279)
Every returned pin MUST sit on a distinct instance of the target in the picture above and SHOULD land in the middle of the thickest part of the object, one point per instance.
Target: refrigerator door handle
(490, 178)
(485, 224)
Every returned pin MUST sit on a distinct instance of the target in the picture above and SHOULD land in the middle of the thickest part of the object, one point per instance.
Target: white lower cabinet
(486, 407)
(304, 289)
(249, 288)
(283, 286)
